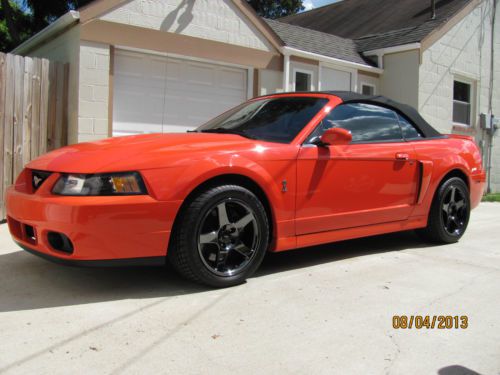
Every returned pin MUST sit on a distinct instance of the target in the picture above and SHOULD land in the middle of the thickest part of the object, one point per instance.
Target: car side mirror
(336, 136)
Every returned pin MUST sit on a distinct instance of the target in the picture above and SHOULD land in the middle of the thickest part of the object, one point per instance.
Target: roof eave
(62, 23)
(393, 49)
(326, 59)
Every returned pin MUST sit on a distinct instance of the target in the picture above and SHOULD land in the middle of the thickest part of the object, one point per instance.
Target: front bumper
(104, 228)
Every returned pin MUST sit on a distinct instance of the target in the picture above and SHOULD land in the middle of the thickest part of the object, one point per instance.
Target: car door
(372, 180)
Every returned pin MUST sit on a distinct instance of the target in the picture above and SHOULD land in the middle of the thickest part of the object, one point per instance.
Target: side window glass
(409, 131)
(366, 122)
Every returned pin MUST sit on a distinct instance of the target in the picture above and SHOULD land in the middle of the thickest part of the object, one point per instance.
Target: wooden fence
(33, 113)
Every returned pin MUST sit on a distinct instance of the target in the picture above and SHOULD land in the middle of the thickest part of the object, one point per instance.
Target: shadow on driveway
(28, 282)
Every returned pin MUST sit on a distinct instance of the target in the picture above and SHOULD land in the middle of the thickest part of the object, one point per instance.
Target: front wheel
(449, 213)
(220, 237)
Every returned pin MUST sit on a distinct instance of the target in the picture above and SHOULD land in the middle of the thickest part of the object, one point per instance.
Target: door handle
(402, 156)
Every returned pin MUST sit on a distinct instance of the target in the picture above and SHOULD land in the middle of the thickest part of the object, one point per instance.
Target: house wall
(65, 48)
(370, 79)
(217, 20)
(463, 52)
(270, 82)
(400, 79)
(303, 67)
(94, 91)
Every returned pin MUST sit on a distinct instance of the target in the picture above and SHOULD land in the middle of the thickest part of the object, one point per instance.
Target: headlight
(127, 183)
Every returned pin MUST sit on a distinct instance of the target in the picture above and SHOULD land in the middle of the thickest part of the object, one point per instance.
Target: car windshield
(269, 119)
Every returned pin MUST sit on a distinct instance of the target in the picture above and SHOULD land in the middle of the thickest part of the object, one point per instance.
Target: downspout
(490, 94)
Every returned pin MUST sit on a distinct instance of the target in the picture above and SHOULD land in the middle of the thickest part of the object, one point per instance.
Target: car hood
(124, 153)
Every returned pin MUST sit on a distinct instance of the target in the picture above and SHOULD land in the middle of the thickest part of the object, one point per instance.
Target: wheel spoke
(244, 221)
(460, 204)
(221, 258)
(243, 250)
(208, 238)
(453, 191)
(445, 207)
(222, 211)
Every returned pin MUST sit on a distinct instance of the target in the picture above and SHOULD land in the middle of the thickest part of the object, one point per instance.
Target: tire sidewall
(197, 211)
(460, 184)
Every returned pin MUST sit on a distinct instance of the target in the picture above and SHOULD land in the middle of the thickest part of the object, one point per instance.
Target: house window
(367, 89)
(303, 81)
(462, 94)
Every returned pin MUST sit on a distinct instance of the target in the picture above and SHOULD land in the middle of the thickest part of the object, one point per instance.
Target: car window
(366, 122)
(269, 119)
(409, 130)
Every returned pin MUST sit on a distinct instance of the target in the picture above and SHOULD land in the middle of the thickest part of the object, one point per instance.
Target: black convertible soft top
(405, 110)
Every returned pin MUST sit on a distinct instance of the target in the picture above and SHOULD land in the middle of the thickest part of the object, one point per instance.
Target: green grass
(492, 197)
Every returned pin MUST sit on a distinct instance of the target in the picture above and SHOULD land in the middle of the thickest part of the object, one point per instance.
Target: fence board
(44, 105)
(8, 124)
(3, 77)
(27, 110)
(33, 113)
(35, 117)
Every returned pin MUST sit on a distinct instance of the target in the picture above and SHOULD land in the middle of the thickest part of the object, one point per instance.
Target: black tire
(202, 262)
(449, 214)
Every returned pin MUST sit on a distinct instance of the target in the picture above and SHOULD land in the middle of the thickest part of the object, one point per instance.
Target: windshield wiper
(228, 131)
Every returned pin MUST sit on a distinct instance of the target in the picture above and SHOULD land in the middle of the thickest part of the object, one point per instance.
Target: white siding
(463, 52)
(270, 81)
(217, 20)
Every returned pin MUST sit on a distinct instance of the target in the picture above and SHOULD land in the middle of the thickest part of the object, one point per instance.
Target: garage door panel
(155, 93)
(333, 79)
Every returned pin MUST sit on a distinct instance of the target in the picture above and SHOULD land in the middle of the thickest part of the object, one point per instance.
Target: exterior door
(373, 180)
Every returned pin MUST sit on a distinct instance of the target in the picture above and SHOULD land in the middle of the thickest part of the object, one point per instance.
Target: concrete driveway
(324, 310)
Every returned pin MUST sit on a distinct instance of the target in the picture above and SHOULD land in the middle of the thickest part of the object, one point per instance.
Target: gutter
(288, 51)
(47, 33)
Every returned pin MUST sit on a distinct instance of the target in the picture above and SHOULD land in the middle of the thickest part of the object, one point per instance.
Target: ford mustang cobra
(276, 173)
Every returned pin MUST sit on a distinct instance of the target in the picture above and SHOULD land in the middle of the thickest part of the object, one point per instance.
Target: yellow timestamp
(430, 322)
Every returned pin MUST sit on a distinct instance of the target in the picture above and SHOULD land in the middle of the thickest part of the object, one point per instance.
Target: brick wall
(463, 52)
(208, 19)
(94, 91)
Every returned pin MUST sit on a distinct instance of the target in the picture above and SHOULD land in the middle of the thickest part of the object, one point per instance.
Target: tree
(15, 25)
(276, 9)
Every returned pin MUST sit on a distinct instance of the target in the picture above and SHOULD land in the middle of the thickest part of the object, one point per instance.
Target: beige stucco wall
(401, 77)
(93, 91)
(463, 52)
(217, 20)
(65, 49)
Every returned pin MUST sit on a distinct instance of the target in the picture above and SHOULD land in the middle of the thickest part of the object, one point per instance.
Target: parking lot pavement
(324, 310)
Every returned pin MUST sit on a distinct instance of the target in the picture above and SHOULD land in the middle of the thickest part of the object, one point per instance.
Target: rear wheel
(221, 237)
(449, 213)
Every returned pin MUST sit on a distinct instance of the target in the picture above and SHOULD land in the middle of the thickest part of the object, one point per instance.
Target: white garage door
(333, 79)
(154, 94)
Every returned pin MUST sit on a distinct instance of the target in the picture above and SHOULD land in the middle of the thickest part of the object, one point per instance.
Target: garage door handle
(402, 156)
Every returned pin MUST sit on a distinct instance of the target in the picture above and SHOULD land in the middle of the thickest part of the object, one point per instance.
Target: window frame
(310, 73)
(471, 103)
(368, 85)
(395, 112)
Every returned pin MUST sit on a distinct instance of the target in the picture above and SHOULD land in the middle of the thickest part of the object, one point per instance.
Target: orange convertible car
(276, 173)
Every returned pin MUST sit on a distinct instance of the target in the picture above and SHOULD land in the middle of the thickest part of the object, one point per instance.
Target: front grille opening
(30, 234)
(15, 228)
(60, 242)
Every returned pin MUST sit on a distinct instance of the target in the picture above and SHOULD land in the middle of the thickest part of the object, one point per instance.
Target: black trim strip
(126, 262)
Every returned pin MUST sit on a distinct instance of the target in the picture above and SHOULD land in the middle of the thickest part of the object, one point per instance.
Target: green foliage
(21, 21)
(276, 9)
(492, 197)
